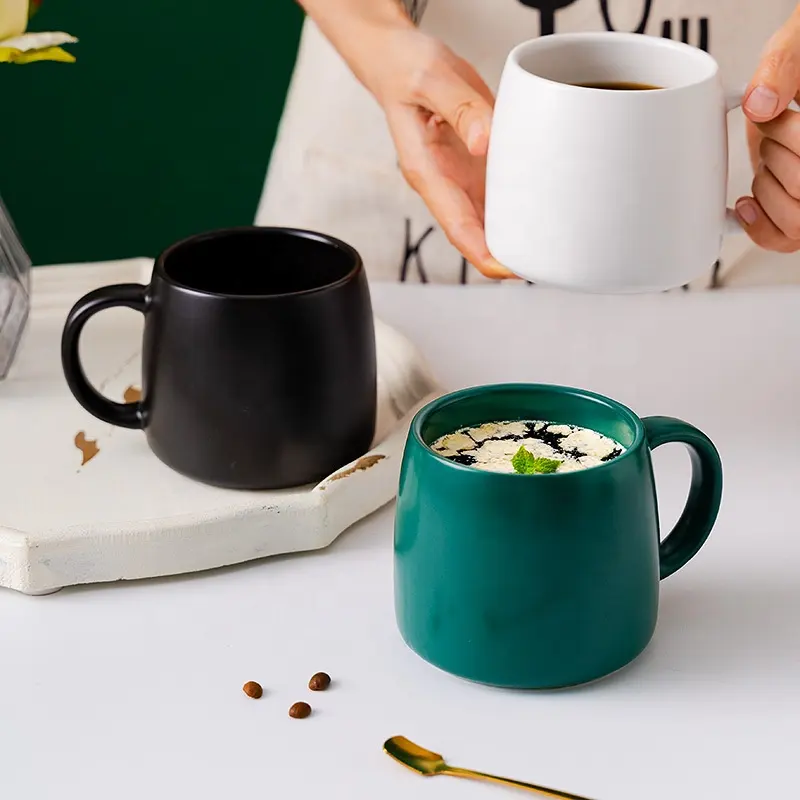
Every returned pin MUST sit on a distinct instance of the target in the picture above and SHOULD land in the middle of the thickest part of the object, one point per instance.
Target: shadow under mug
(540, 581)
(258, 357)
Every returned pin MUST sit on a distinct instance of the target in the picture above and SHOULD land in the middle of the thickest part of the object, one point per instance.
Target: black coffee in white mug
(258, 357)
(618, 86)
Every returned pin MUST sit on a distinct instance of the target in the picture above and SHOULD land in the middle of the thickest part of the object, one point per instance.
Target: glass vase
(15, 277)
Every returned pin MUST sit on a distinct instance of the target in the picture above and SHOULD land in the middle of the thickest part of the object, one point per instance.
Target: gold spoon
(426, 763)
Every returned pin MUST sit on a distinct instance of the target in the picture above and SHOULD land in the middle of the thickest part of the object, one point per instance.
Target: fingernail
(761, 102)
(500, 272)
(476, 136)
(746, 209)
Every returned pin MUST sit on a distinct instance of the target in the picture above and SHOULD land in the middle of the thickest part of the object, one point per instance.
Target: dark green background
(161, 129)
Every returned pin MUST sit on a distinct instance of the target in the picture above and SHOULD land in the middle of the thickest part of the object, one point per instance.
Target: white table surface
(133, 691)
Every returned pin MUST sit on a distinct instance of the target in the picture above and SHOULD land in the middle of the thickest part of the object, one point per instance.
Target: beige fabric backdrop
(334, 167)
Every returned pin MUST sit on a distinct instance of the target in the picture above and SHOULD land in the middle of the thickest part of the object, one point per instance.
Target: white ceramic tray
(124, 515)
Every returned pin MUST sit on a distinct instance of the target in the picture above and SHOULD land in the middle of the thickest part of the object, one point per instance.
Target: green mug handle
(705, 494)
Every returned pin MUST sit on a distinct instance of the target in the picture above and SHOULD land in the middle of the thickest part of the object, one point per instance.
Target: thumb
(777, 78)
(464, 108)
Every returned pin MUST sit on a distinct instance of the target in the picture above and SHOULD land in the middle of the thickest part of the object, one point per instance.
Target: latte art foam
(491, 446)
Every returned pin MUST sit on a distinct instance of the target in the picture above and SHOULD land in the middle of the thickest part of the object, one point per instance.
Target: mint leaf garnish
(544, 466)
(525, 463)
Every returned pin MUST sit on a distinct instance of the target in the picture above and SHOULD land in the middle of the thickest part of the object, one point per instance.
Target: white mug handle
(733, 100)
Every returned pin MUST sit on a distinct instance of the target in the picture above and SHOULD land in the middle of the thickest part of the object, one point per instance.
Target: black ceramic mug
(258, 358)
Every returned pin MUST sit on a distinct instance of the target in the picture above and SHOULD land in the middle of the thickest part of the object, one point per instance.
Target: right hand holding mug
(771, 216)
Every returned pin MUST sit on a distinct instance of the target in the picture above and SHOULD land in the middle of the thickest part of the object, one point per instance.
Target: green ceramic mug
(540, 581)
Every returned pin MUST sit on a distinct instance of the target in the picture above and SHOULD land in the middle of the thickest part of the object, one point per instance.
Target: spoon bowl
(416, 758)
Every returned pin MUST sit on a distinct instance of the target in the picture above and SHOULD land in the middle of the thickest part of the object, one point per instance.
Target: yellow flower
(18, 47)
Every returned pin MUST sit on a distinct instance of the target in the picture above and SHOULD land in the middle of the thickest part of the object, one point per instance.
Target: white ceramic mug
(603, 190)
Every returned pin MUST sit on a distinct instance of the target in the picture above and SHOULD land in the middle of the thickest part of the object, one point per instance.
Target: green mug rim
(490, 388)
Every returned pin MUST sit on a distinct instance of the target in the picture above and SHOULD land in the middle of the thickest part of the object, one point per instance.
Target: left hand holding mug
(771, 216)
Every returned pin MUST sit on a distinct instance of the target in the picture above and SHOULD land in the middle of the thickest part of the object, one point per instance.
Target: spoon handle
(457, 772)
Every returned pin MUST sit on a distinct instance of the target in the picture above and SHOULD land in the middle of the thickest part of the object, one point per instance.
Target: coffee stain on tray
(88, 447)
(133, 394)
(363, 463)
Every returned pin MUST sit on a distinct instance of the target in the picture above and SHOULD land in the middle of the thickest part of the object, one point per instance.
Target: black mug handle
(129, 295)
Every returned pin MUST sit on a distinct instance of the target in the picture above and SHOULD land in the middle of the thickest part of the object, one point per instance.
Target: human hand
(771, 216)
(439, 112)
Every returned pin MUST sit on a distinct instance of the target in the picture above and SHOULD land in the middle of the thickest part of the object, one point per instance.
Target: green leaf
(525, 463)
(544, 466)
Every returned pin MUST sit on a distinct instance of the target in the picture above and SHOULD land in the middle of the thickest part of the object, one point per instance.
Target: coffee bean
(300, 710)
(253, 689)
(319, 682)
